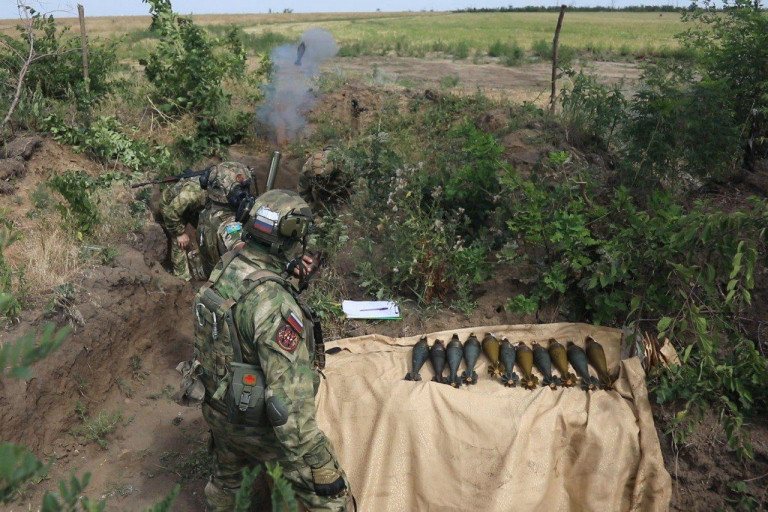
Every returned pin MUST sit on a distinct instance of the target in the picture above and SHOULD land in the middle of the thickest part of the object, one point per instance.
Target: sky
(63, 8)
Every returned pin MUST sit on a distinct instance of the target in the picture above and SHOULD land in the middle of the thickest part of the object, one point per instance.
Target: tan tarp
(423, 446)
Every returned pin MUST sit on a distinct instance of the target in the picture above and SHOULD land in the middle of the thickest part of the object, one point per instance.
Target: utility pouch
(191, 388)
(245, 397)
(195, 262)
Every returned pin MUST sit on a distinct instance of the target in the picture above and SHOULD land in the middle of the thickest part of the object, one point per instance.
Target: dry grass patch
(47, 256)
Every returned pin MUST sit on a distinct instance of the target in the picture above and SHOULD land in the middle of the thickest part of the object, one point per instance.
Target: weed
(81, 382)
(80, 410)
(195, 464)
(97, 428)
(11, 306)
(449, 81)
(461, 50)
(509, 54)
(77, 189)
(138, 372)
(592, 112)
(41, 198)
(167, 392)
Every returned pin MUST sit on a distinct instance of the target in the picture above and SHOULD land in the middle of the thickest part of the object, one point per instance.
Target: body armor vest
(208, 237)
(233, 387)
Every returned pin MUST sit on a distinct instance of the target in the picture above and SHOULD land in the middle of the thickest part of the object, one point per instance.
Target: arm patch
(287, 338)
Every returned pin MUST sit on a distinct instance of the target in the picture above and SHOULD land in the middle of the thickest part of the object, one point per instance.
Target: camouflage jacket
(181, 205)
(218, 232)
(276, 334)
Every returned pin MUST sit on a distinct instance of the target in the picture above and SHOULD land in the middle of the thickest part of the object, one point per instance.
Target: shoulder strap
(226, 259)
(258, 277)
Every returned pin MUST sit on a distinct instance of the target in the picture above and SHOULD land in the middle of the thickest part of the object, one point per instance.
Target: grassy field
(463, 35)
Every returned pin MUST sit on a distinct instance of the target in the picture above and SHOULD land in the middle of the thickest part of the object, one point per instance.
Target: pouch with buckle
(245, 397)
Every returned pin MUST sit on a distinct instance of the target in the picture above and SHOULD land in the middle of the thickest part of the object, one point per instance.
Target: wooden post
(555, 44)
(84, 43)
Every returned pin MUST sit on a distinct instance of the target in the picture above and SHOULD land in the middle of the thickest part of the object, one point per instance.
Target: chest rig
(232, 386)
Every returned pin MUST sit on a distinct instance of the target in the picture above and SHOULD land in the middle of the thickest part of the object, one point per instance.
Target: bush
(731, 47)
(80, 211)
(461, 50)
(592, 112)
(677, 125)
(188, 69)
(543, 50)
(691, 271)
(10, 305)
(106, 140)
(509, 54)
(60, 74)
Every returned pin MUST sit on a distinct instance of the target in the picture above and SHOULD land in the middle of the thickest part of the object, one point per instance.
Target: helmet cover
(226, 181)
(279, 218)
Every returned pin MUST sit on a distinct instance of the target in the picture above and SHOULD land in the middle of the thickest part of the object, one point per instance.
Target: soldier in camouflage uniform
(257, 358)
(181, 204)
(321, 180)
(218, 231)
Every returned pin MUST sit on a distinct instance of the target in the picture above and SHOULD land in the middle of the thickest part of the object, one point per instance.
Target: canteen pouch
(245, 396)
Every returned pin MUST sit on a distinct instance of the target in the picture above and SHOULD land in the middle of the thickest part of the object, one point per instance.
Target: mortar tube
(273, 170)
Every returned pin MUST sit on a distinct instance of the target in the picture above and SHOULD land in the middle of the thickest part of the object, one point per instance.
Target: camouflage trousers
(178, 257)
(235, 448)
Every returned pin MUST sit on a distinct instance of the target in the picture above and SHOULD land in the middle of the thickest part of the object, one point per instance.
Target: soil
(132, 326)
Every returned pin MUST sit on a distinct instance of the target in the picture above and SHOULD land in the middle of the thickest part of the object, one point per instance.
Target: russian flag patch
(264, 225)
(294, 322)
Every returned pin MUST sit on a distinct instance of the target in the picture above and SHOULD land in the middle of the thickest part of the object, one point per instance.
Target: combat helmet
(319, 163)
(278, 218)
(228, 183)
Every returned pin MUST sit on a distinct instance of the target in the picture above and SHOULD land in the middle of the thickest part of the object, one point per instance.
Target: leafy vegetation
(188, 69)
(618, 244)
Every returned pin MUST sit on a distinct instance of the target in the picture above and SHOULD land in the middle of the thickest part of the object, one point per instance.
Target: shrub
(592, 112)
(187, 69)
(543, 50)
(79, 211)
(731, 47)
(677, 125)
(59, 75)
(10, 305)
(461, 50)
(106, 140)
(509, 54)
(691, 271)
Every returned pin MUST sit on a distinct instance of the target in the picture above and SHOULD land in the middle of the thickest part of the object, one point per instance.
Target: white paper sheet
(371, 309)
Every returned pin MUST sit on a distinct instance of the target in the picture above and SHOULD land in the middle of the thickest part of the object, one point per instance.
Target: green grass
(640, 34)
(460, 35)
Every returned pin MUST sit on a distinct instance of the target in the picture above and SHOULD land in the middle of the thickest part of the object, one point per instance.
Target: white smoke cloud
(287, 95)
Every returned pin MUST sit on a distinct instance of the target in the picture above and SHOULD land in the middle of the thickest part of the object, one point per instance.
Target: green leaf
(687, 353)
(663, 324)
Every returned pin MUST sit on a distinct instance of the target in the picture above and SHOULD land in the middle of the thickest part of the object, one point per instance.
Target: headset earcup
(244, 209)
(204, 179)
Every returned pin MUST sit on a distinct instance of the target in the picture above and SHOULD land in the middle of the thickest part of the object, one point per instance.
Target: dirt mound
(130, 310)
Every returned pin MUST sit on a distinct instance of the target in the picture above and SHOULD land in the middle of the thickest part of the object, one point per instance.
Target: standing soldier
(181, 204)
(258, 349)
(228, 184)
